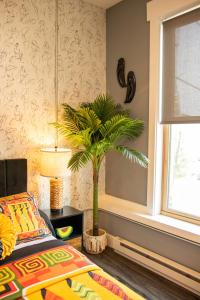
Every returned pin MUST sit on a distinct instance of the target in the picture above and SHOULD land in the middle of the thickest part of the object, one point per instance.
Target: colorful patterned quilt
(59, 273)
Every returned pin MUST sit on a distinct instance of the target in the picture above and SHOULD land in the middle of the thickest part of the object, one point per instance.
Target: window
(180, 115)
(182, 170)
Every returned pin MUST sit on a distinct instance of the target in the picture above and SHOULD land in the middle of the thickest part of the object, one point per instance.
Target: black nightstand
(69, 217)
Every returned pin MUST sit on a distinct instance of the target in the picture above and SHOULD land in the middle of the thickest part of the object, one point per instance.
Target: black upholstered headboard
(13, 176)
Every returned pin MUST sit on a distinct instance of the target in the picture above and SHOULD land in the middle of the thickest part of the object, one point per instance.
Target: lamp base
(57, 211)
(56, 195)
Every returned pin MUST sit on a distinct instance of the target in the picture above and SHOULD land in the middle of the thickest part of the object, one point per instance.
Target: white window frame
(157, 12)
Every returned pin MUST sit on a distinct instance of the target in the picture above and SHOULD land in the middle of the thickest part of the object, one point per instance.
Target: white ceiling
(103, 3)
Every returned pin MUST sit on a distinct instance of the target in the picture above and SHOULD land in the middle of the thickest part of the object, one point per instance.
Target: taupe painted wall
(128, 37)
(173, 248)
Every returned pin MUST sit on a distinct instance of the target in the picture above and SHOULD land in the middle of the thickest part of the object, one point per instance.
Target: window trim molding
(157, 12)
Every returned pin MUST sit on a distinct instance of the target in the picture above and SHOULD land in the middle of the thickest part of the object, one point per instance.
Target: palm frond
(121, 111)
(133, 155)
(71, 125)
(105, 107)
(62, 128)
(80, 139)
(79, 160)
(71, 115)
(86, 105)
(75, 139)
(89, 119)
(86, 137)
(99, 149)
(115, 123)
(130, 130)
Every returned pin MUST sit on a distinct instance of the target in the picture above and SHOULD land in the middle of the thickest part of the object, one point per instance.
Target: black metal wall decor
(131, 80)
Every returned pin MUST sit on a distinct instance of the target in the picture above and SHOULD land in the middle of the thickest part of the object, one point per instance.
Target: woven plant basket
(94, 244)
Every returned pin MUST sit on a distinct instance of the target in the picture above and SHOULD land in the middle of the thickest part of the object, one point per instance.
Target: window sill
(139, 214)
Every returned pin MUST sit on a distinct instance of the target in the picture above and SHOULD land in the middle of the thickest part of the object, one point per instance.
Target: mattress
(50, 269)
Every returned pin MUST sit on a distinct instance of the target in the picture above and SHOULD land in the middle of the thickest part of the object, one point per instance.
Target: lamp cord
(56, 70)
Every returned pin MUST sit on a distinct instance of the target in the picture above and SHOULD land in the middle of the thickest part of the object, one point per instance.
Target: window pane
(184, 169)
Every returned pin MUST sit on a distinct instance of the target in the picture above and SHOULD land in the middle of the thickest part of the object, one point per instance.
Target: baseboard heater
(165, 267)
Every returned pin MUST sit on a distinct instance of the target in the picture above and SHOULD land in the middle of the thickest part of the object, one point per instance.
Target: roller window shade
(181, 69)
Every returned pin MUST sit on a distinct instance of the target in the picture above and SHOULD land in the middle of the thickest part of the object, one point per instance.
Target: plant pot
(94, 244)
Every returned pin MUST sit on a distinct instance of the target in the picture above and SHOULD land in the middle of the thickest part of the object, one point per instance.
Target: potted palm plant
(92, 130)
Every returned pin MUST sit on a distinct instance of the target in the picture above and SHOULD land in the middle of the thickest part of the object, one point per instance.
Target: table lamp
(54, 165)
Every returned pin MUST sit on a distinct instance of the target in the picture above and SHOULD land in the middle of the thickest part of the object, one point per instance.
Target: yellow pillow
(22, 210)
(7, 236)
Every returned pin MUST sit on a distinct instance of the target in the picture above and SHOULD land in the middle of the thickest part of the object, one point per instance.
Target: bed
(48, 268)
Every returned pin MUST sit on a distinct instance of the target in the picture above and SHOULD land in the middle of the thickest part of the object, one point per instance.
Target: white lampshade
(54, 162)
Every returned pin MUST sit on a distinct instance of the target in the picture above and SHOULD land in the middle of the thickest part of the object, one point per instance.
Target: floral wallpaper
(82, 69)
(26, 80)
(27, 64)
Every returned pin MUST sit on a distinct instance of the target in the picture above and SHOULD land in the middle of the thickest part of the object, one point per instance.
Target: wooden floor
(146, 283)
